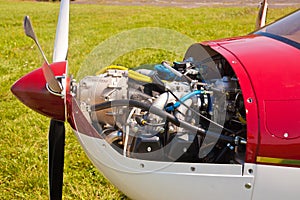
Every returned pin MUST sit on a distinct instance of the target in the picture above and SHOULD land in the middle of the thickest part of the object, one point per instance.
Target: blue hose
(183, 99)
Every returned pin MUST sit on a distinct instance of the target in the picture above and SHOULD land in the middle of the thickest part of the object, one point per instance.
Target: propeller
(262, 14)
(56, 142)
(62, 32)
(53, 83)
(56, 137)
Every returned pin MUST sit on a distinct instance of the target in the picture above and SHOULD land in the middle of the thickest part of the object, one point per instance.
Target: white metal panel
(141, 179)
(276, 182)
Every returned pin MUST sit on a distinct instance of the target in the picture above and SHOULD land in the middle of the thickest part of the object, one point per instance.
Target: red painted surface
(268, 71)
(31, 90)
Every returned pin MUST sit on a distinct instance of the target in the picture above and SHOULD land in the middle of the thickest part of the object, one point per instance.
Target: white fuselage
(142, 179)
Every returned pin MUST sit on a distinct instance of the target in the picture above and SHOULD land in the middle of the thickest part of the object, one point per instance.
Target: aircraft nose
(31, 90)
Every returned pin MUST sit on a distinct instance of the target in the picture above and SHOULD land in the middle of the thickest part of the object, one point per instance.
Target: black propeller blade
(56, 158)
(56, 138)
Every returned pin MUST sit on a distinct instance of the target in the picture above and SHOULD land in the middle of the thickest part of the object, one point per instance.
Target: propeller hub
(31, 90)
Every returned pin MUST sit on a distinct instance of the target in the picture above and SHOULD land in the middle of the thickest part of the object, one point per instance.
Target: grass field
(23, 133)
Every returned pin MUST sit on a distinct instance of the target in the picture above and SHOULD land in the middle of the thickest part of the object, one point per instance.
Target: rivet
(249, 100)
(233, 62)
(248, 185)
(286, 135)
(149, 149)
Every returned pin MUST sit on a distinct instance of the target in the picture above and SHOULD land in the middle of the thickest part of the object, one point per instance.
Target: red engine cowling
(268, 72)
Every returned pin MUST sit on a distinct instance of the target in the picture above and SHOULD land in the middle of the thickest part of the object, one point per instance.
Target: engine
(189, 111)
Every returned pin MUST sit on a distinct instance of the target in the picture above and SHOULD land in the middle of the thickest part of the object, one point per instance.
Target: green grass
(23, 133)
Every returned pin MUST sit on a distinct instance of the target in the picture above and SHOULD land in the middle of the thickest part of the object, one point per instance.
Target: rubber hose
(163, 114)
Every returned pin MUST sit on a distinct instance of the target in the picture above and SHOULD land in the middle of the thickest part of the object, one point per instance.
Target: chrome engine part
(105, 87)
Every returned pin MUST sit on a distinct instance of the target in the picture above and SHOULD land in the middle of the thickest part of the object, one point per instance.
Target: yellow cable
(132, 74)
